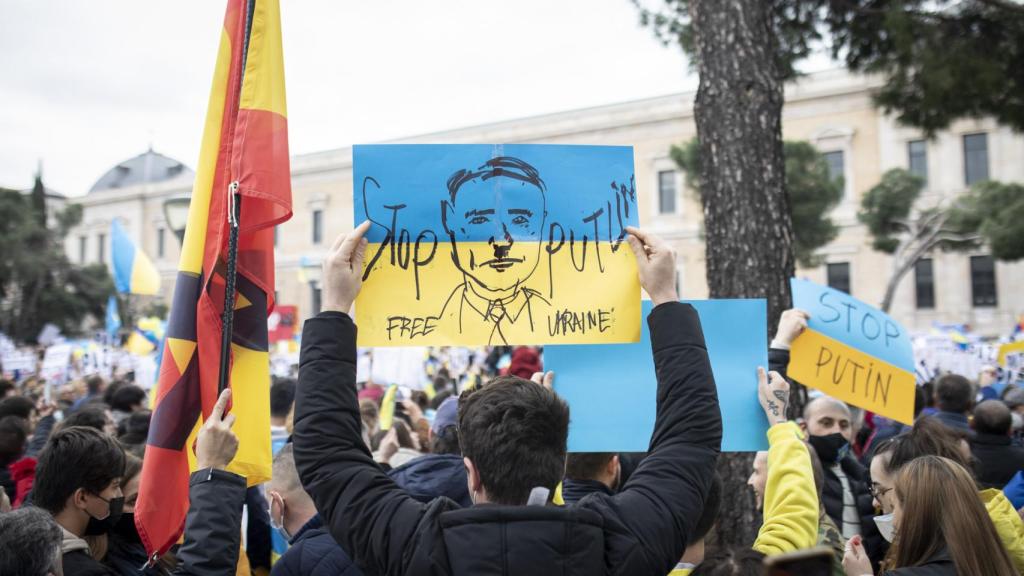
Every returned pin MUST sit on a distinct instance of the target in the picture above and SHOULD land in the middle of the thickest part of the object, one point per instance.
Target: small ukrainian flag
(133, 270)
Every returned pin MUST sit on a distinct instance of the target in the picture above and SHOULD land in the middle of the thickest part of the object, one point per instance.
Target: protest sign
(19, 363)
(1006, 350)
(612, 389)
(854, 352)
(55, 367)
(496, 244)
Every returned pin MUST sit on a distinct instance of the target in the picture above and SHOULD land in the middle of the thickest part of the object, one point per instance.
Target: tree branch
(1004, 5)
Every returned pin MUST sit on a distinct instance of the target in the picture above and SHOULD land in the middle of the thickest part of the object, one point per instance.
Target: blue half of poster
(612, 390)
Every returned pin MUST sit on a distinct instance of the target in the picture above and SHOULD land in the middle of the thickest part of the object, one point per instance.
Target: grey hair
(31, 543)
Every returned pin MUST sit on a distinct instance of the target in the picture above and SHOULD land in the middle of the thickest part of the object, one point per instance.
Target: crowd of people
(477, 480)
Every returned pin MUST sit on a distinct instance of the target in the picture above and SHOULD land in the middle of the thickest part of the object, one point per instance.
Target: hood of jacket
(574, 490)
(492, 539)
(433, 475)
(70, 542)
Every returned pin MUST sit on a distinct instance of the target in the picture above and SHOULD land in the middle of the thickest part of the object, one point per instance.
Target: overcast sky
(84, 85)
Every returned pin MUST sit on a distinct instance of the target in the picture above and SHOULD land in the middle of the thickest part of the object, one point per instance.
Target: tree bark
(749, 236)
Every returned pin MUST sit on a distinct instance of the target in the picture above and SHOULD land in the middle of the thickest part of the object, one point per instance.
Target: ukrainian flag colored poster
(854, 352)
(484, 244)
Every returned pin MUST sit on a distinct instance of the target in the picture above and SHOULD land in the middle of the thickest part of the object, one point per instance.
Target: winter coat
(312, 552)
(213, 526)
(434, 475)
(996, 461)
(641, 530)
(832, 497)
(938, 565)
(574, 490)
(77, 560)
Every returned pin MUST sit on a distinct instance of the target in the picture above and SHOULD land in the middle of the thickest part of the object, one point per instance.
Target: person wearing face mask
(78, 481)
(312, 551)
(929, 437)
(939, 526)
(846, 494)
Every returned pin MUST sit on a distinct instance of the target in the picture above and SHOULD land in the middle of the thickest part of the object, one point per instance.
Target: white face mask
(885, 527)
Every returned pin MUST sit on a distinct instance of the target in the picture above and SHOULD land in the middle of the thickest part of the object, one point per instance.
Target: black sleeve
(213, 526)
(663, 499)
(778, 361)
(364, 510)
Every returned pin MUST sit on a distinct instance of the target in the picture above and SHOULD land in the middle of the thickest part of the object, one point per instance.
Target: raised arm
(790, 498)
(364, 510)
(662, 501)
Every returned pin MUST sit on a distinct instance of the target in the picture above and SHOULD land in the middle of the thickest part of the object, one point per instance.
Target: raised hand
(656, 263)
(792, 323)
(343, 270)
(216, 444)
(773, 392)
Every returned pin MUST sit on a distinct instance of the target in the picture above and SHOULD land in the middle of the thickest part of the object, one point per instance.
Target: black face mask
(97, 526)
(125, 529)
(831, 448)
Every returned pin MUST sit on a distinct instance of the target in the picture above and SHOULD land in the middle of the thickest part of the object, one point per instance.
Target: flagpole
(234, 211)
(228, 316)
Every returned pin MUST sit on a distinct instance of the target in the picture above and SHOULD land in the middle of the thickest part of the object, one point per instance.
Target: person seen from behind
(513, 435)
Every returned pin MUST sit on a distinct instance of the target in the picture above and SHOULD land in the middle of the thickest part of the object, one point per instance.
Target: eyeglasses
(877, 491)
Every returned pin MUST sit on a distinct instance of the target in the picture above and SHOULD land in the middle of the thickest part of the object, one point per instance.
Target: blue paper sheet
(612, 390)
(854, 323)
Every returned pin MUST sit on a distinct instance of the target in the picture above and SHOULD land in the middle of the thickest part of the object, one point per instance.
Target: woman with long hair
(940, 525)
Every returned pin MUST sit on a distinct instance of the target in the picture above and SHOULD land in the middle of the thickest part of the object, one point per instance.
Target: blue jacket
(314, 553)
(434, 475)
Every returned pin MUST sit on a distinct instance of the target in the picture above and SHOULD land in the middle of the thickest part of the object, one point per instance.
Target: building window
(318, 222)
(315, 297)
(917, 159)
(102, 240)
(983, 281)
(160, 242)
(924, 283)
(839, 276)
(667, 192)
(83, 244)
(835, 164)
(975, 158)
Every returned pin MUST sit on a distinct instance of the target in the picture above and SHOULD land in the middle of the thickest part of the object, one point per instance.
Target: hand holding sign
(854, 352)
(773, 392)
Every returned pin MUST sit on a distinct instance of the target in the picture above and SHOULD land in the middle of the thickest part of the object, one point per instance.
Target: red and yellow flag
(245, 147)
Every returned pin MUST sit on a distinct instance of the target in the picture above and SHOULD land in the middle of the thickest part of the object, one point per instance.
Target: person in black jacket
(588, 472)
(996, 460)
(513, 435)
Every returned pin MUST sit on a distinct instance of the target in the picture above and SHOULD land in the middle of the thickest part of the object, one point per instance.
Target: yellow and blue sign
(496, 244)
(133, 270)
(854, 352)
(612, 391)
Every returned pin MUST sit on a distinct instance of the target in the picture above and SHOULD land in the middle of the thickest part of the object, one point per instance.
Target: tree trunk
(738, 113)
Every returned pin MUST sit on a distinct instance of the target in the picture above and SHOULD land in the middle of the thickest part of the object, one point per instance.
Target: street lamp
(176, 214)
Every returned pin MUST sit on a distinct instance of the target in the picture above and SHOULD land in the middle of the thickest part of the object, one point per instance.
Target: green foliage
(38, 284)
(941, 59)
(886, 207)
(998, 211)
(812, 193)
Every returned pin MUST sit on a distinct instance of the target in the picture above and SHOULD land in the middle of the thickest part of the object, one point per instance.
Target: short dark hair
(709, 515)
(446, 441)
(992, 417)
(6, 386)
(136, 428)
(90, 416)
(282, 396)
(93, 384)
(506, 166)
(17, 406)
(953, 393)
(31, 543)
(514, 431)
(13, 433)
(928, 437)
(586, 465)
(127, 397)
(75, 457)
(738, 561)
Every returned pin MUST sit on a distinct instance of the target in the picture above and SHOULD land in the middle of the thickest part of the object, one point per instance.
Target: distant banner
(612, 390)
(854, 352)
(496, 244)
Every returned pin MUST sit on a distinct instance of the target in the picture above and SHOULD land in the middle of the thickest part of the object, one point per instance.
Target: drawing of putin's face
(495, 219)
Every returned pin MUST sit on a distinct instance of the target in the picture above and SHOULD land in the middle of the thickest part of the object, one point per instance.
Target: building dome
(145, 168)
